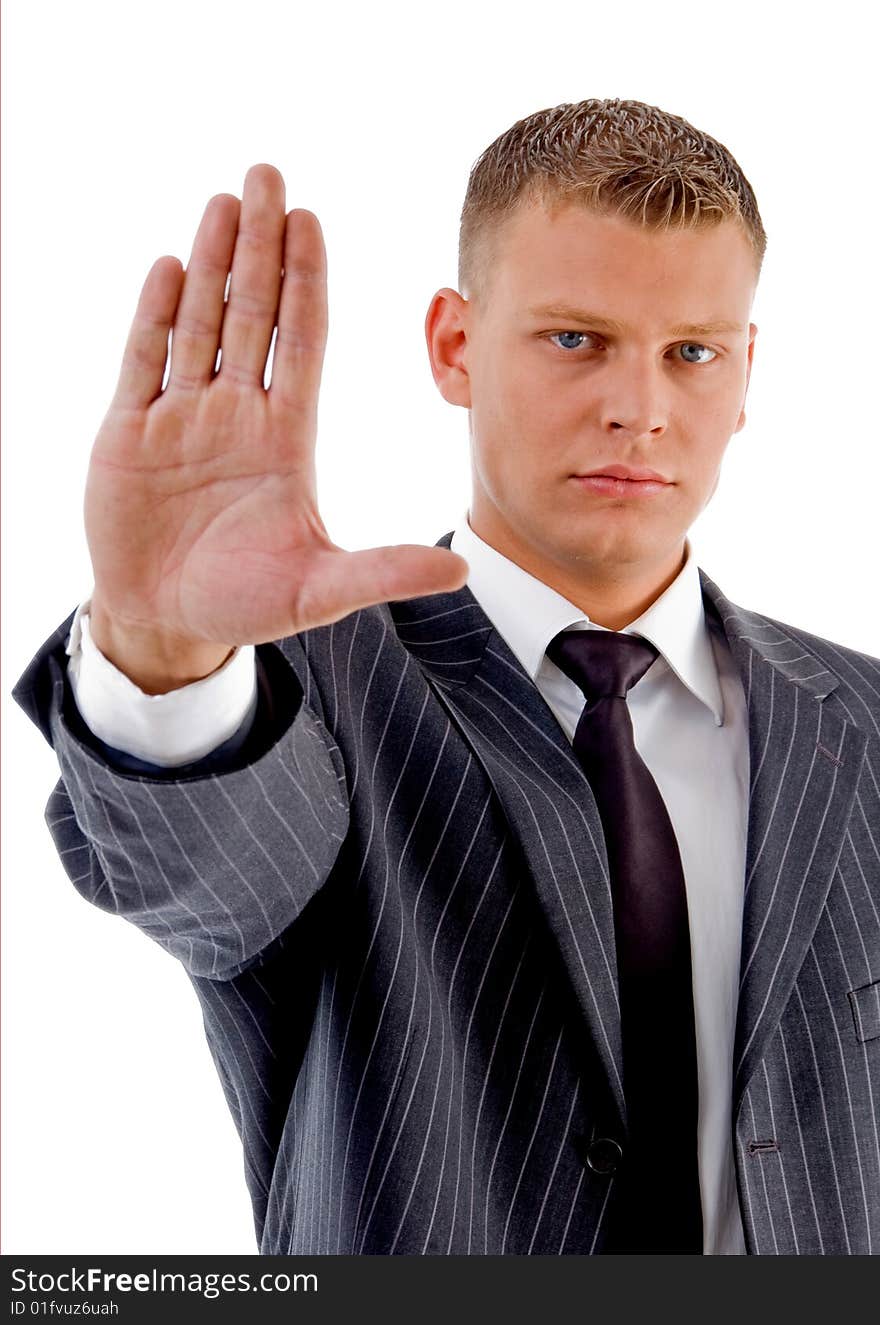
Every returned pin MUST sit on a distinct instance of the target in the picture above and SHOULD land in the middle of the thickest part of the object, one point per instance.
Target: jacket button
(604, 1154)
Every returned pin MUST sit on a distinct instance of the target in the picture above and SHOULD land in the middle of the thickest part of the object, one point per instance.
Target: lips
(620, 481)
(625, 472)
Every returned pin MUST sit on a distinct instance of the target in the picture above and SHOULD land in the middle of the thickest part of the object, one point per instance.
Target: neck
(611, 598)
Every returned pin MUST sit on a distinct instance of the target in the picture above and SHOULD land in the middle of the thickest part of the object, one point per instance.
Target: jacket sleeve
(214, 860)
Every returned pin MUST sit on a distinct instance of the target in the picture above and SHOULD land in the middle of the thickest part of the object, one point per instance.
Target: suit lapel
(804, 765)
(543, 791)
(805, 761)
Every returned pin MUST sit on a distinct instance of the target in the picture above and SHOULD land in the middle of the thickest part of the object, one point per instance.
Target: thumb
(385, 574)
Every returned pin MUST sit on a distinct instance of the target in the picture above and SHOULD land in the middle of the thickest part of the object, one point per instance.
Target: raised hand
(200, 506)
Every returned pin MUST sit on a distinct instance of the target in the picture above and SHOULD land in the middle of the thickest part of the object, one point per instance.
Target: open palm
(200, 506)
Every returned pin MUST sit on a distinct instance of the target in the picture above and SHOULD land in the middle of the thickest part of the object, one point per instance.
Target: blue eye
(693, 345)
(576, 334)
(584, 335)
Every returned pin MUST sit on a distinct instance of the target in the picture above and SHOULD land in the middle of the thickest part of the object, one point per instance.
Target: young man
(533, 914)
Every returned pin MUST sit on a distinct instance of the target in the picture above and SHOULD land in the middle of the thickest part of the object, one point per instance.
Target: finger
(255, 279)
(195, 337)
(302, 316)
(379, 575)
(146, 350)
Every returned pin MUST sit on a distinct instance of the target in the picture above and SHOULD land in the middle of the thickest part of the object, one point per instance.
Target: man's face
(556, 394)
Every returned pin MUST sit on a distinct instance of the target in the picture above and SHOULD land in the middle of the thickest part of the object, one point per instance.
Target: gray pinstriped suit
(393, 905)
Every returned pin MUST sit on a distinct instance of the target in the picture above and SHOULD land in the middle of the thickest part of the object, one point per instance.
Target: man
(537, 914)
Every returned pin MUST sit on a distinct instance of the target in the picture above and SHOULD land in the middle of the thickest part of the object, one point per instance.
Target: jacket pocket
(865, 1004)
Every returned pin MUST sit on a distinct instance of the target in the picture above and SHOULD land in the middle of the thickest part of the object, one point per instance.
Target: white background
(120, 121)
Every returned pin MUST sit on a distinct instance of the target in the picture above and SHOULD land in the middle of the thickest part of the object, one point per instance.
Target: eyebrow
(565, 313)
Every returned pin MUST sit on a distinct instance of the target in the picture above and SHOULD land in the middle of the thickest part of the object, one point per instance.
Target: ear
(753, 331)
(446, 333)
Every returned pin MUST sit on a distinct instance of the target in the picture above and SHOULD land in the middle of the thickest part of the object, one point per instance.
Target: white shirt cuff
(171, 729)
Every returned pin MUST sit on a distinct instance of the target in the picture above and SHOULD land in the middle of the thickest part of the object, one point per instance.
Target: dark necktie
(656, 1207)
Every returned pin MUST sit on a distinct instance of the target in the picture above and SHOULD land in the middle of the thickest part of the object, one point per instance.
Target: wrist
(155, 661)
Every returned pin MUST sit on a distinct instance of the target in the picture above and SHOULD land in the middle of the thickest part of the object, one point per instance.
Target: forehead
(563, 254)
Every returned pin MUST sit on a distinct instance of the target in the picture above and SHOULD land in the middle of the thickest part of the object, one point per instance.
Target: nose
(635, 400)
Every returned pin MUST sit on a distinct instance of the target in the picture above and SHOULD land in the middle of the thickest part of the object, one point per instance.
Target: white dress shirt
(168, 730)
(689, 725)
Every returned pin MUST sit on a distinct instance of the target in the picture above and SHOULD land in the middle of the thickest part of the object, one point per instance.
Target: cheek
(513, 451)
(509, 391)
(520, 425)
(700, 473)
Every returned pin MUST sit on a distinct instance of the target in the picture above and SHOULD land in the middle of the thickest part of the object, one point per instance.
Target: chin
(596, 530)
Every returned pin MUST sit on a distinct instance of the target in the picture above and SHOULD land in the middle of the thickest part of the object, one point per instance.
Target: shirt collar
(527, 613)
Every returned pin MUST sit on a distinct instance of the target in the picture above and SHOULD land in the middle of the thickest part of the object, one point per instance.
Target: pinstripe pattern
(398, 922)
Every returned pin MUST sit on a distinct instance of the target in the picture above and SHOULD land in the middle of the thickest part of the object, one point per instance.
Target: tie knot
(604, 663)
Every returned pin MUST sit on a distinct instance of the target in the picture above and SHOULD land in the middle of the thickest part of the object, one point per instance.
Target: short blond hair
(613, 157)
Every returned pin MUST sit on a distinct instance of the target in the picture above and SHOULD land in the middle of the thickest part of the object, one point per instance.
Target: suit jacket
(393, 904)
